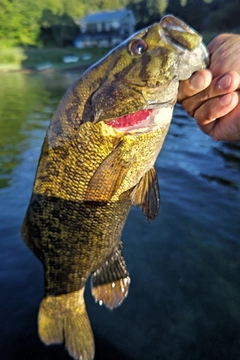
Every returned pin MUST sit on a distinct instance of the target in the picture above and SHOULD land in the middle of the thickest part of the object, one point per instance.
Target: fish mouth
(143, 121)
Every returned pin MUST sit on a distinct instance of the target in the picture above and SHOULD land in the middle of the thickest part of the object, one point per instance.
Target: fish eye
(137, 47)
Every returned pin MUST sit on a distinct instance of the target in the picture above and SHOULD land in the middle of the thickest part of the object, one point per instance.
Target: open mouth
(138, 121)
(143, 121)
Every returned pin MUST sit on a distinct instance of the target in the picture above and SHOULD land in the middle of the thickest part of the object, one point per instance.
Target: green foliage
(174, 7)
(94, 5)
(162, 5)
(145, 11)
(20, 97)
(12, 57)
(19, 22)
(57, 29)
(194, 13)
(224, 16)
(47, 22)
(32, 57)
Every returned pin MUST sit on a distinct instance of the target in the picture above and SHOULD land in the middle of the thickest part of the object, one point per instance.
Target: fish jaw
(188, 43)
(143, 121)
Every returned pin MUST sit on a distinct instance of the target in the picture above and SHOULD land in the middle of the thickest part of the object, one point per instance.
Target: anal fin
(146, 194)
(111, 281)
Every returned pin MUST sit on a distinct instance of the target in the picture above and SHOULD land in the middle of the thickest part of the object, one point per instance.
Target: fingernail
(197, 81)
(224, 82)
(225, 99)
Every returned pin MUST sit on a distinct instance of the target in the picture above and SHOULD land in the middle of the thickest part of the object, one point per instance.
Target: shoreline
(28, 60)
(31, 70)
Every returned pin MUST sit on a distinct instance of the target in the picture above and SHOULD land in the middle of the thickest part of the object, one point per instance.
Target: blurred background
(38, 34)
(184, 299)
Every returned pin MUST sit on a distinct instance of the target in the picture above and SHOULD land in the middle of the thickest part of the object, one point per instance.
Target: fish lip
(170, 21)
(174, 22)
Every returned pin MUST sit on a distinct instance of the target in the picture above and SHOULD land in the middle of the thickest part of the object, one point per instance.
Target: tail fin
(64, 318)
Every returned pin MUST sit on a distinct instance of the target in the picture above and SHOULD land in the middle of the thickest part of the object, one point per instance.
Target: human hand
(212, 96)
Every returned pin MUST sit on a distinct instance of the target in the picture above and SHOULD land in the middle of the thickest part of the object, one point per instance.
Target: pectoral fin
(146, 194)
(108, 177)
(111, 281)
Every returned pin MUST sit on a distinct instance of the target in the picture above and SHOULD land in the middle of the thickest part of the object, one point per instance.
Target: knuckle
(188, 106)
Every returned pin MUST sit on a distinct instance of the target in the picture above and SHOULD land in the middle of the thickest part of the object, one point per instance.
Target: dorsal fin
(111, 281)
(146, 194)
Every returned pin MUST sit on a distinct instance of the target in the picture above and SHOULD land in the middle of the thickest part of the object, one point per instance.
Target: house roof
(106, 16)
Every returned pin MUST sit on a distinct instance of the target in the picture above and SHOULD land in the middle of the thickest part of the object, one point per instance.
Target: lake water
(184, 299)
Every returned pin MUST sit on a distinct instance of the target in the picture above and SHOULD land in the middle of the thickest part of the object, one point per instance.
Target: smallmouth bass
(97, 161)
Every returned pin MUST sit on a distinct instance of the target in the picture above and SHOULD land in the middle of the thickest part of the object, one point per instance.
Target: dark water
(184, 301)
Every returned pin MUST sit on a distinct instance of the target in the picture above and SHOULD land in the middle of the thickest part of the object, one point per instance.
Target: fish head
(143, 73)
(132, 84)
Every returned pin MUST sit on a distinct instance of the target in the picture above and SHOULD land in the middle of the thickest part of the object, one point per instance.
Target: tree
(193, 13)
(59, 29)
(174, 7)
(224, 16)
(145, 11)
(19, 22)
(28, 22)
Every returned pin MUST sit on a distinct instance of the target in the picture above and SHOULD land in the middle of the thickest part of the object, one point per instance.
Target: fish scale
(91, 172)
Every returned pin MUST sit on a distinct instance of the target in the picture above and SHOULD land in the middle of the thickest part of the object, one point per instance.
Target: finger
(217, 42)
(213, 109)
(224, 54)
(227, 127)
(197, 82)
(221, 85)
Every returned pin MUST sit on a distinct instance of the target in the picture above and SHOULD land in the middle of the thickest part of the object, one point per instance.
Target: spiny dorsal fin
(108, 177)
(111, 281)
(146, 194)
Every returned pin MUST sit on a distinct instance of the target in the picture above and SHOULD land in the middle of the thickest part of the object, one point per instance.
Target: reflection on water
(26, 106)
(184, 301)
(231, 154)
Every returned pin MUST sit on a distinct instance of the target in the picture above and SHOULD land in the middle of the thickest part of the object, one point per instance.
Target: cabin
(105, 29)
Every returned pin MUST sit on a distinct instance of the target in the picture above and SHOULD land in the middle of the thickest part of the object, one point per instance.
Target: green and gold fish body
(97, 161)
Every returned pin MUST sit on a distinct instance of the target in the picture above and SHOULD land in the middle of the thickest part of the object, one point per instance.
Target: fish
(96, 162)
